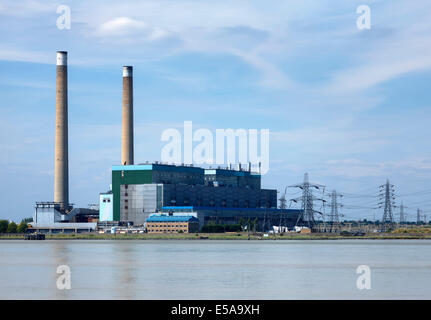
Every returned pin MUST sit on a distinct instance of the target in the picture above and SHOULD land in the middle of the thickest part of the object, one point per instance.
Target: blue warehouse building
(172, 223)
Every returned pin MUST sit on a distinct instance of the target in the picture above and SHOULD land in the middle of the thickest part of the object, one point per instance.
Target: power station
(154, 191)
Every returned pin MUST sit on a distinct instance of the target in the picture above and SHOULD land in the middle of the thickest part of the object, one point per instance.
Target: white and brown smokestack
(61, 173)
(127, 133)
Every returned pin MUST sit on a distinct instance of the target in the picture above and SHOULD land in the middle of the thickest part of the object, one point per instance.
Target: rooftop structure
(232, 178)
(171, 218)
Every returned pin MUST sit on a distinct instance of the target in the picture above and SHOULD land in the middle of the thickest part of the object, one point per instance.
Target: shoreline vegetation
(395, 235)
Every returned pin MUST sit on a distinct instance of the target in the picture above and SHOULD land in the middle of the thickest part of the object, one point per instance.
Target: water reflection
(126, 271)
(215, 269)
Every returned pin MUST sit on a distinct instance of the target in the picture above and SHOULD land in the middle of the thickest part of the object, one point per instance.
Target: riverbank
(222, 236)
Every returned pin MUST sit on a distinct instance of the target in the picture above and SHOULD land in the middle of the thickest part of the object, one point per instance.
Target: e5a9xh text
(230, 309)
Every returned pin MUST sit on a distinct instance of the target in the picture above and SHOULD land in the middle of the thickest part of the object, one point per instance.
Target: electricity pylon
(387, 192)
(307, 200)
(334, 217)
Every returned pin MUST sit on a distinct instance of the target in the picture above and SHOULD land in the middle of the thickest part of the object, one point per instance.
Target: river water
(206, 269)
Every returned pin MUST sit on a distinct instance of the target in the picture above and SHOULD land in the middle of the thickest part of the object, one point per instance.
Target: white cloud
(129, 28)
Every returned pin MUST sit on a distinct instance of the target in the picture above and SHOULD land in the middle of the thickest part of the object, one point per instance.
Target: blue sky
(352, 108)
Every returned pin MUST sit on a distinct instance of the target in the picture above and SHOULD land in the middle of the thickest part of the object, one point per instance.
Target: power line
(357, 195)
(419, 202)
(352, 207)
(364, 203)
(415, 193)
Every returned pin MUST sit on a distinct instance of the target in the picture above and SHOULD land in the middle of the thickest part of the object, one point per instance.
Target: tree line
(12, 227)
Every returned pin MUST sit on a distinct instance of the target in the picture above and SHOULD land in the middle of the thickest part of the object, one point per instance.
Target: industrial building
(219, 195)
(49, 217)
(172, 224)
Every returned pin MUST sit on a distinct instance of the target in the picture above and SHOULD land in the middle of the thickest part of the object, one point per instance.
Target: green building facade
(151, 174)
(125, 175)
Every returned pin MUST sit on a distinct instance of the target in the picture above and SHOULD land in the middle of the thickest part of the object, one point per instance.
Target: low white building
(48, 218)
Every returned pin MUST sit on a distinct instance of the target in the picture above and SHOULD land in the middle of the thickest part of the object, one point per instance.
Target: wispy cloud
(15, 54)
(402, 54)
(129, 29)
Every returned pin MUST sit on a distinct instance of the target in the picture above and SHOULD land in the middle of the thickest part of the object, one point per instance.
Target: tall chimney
(127, 134)
(61, 172)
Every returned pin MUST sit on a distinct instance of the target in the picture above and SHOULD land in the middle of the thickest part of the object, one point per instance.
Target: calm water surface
(401, 269)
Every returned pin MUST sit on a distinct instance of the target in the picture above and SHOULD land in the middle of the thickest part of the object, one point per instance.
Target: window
(126, 207)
